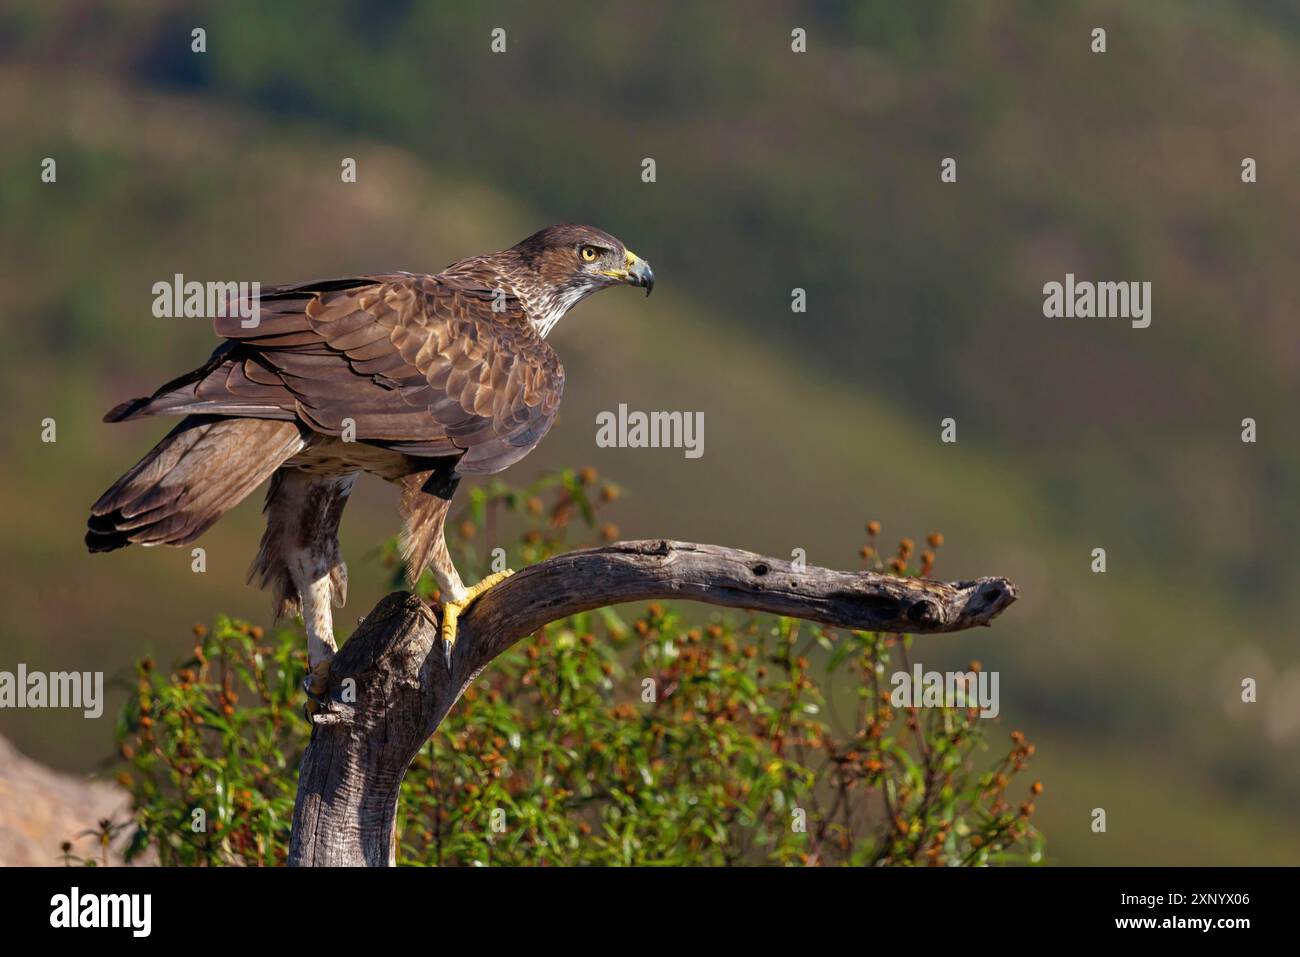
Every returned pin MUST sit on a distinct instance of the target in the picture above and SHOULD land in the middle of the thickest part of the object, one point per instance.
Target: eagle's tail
(203, 468)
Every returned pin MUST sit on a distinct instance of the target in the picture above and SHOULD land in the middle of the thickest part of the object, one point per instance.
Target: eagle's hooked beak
(635, 272)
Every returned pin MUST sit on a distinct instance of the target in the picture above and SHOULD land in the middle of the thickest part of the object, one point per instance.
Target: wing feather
(421, 364)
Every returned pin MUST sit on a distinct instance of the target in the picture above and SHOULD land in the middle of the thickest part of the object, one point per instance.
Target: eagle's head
(557, 267)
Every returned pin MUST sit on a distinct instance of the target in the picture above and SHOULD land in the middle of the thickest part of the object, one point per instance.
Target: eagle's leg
(316, 590)
(425, 546)
(451, 609)
(300, 558)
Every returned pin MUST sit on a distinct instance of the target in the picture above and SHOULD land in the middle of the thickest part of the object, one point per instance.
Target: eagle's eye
(589, 254)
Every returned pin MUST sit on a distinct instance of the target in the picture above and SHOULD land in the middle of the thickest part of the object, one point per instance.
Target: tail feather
(202, 468)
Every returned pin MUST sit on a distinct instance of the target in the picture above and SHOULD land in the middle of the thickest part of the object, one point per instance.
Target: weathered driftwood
(390, 688)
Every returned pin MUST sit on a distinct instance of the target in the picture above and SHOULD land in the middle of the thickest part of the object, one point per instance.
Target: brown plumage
(418, 379)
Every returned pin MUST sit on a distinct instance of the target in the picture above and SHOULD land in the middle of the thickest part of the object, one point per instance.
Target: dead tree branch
(389, 687)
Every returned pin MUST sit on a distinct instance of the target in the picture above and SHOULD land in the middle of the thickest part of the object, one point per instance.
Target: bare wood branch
(389, 687)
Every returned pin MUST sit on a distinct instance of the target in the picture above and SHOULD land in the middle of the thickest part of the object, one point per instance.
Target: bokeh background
(775, 170)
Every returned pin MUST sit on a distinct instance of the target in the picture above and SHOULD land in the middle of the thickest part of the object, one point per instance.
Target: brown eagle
(417, 379)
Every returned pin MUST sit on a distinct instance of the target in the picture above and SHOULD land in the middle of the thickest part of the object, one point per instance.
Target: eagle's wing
(420, 364)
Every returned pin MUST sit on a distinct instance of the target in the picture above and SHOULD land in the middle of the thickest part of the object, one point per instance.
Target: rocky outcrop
(40, 809)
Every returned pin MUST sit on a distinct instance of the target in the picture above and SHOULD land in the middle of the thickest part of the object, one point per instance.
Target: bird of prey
(417, 379)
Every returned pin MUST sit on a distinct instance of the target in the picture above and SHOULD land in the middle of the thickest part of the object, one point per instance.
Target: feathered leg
(300, 560)
(424, 545)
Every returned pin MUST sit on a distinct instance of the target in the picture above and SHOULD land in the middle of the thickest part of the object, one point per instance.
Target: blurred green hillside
(774, 171)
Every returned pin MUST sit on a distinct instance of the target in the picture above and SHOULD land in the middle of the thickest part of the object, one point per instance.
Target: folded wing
(418, 364)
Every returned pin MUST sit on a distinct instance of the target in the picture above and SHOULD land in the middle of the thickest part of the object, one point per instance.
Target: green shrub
(672, 737)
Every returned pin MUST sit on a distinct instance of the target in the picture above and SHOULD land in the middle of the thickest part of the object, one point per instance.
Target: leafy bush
(657, 739)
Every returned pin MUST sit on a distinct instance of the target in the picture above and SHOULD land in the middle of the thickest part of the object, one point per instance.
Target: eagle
(418, 379)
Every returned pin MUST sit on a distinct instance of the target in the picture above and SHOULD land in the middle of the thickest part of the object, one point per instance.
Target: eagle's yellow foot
(316, 684)
(451, 610)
